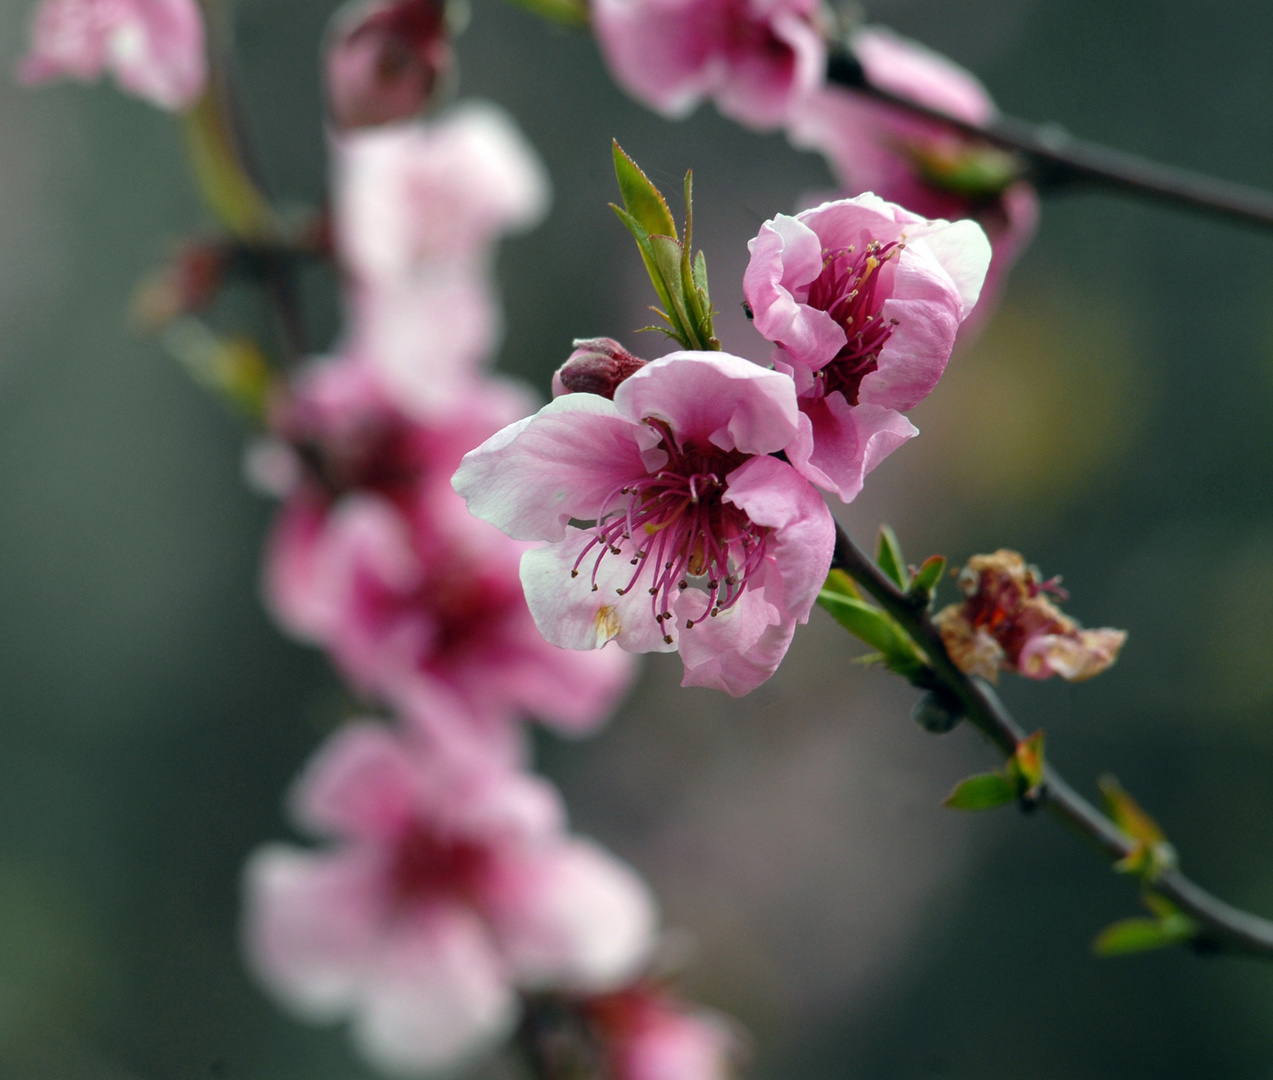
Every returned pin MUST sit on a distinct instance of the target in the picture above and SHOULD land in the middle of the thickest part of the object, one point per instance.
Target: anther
(667, 639)
(574, 573)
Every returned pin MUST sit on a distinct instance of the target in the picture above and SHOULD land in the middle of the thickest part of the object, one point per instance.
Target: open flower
(755, 58)
(376, 559)
(700, 540)
(418, 208)
(919, 163)
(154, 48)
(863, 300)
(1007, 622)
(451, 884)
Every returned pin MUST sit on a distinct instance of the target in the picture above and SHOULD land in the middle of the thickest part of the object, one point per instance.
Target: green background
(1114, 423)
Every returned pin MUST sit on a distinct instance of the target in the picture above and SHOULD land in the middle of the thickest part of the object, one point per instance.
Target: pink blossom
(376, 559)
(919, 163)
(701, 540)
(755, 58)
(450, 885)
(383, 61)
(863, 300)
(647, 1035)
(154, 48)
(418, 208)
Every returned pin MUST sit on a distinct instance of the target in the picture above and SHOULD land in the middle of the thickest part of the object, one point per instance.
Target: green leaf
(983, 792)
(667, 254)
(928, 575)
(641, 198)
(889, 555)
(1142, 934)
(700, 273)
(840, 582)
(571, 13)
(877, 629)
(642, 238)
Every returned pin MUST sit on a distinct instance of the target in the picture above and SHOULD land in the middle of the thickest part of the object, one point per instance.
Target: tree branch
(1056, 159)
(1221, 925)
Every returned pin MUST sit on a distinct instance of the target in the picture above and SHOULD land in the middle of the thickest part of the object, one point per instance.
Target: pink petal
(773, 494)
(363, 782)
(786, 256)
(840, 444)
(713, 396)
(573, 917)
(570, 614)
(412, 196)
(913, 71)
(309, 921)
(436, 995)
(741, 647)
(154, 47)
(533, 477)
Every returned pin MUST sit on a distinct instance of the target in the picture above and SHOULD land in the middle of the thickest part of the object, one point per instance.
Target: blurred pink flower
(677, 476)
(755, 58)
(918, 163)
(384, 59)
(154, 48)
(647, 1035)
(376, 559)
(452, 884)
(418, 207)
(863, 300)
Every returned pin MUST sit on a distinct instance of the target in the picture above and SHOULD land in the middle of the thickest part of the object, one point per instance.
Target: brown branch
(1220, 925)
(1055, 159)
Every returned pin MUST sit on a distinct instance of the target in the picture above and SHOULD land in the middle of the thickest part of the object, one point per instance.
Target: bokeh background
(1115, 423)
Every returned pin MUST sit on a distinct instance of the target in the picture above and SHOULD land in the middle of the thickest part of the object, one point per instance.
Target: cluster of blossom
(1007, 622)
(678, 498)
(450, 885)
(453, 886)
(764, 63)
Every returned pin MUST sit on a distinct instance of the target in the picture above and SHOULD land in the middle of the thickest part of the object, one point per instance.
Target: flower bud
(384, 59)
(597, 366)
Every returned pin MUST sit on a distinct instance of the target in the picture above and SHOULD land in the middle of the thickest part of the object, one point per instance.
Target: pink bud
(383, 61)
(597, 366)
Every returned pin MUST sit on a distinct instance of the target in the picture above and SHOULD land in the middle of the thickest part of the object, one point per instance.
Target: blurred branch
(1055, 159)
(1220, 926)
(555, 1041)
(229, 180)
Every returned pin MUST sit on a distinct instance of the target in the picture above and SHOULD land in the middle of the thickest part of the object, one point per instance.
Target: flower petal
(572, 615)
(573, 917)
(436, 996)
(713, 396)
(534, 476)
(309, 921)
(362, 783)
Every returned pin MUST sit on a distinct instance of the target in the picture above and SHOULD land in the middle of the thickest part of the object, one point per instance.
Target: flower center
(674, 525)
(848, 290)
(428, 866)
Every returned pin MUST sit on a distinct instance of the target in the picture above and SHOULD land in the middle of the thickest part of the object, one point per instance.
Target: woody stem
(1056, 160)
(1221, 925)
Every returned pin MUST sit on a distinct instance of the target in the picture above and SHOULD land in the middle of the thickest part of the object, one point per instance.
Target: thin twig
(1221, 925)
(1055, 159)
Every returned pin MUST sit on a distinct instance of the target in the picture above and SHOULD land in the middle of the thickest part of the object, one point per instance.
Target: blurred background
(1115, 423)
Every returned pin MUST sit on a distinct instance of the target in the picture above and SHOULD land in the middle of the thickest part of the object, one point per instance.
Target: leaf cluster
(679, 279)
